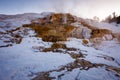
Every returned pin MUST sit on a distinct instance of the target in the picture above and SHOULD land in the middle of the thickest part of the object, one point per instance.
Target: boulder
(86, 33)
(81, 32)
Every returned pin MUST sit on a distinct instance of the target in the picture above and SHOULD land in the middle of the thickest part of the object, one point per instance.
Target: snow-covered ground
(92, 53)
(13, 21)
(112, 48)
(20, 61)
(24, 62)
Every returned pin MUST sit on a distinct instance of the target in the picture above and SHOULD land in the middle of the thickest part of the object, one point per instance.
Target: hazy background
(82, 8)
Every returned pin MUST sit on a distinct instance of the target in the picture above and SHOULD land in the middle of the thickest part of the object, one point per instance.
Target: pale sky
(81, 8)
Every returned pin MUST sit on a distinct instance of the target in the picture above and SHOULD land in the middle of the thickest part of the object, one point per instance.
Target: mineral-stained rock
(81, 32)
(62, 18)
(76, 33)
(114, 69)
(100, 32)
(42, 76)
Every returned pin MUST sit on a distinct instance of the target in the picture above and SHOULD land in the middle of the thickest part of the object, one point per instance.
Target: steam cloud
(63, 5)
(86, 8)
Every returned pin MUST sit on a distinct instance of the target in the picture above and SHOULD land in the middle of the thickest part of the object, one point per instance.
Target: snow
(97, 74)
(112, 48)
(2, 23)
(19, 61)
(92, 53)
(107, 37)
(2, 43)
(93, 73)
(15, 21)
(115, 28)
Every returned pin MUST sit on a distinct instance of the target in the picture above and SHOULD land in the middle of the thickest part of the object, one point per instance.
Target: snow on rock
(105, 55)
(115, 28)
(92, 53)
(14, 21)
(95, 74)
(111, 48)
(23, 62)
(77, 74)
(110, 26)
(107, 37)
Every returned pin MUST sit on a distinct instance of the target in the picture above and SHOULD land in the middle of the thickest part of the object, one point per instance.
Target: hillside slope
(90, 50)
